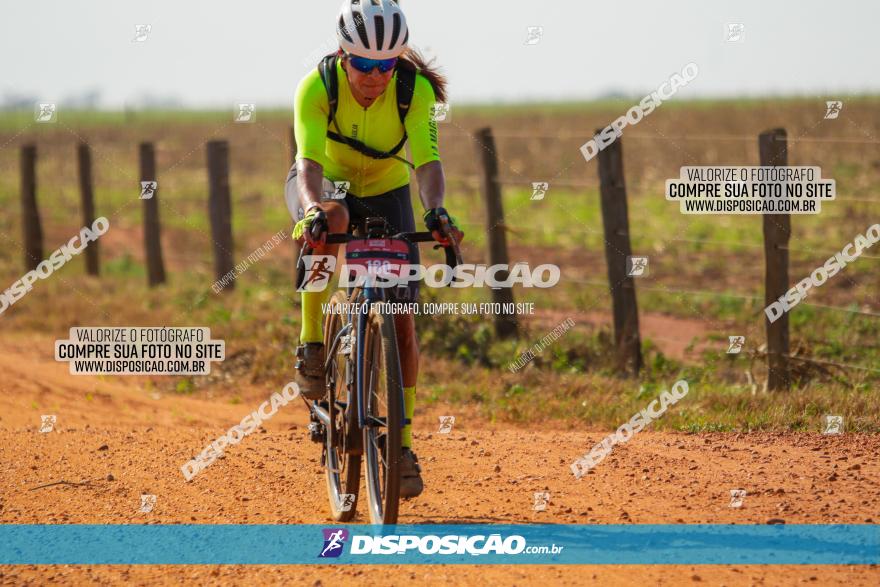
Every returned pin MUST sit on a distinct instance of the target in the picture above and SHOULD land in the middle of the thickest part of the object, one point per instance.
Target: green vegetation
(703, 269)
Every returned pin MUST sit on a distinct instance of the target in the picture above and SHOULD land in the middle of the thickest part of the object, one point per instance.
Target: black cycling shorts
(394, 206)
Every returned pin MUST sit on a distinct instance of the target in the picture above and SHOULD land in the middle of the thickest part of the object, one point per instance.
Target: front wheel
(342, 461)
(383, 408)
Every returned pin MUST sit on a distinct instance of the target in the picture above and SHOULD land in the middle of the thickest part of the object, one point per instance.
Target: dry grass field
(705, 280)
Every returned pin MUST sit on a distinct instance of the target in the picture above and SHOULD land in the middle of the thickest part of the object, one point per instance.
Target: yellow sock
(312, 315)
(409, 409)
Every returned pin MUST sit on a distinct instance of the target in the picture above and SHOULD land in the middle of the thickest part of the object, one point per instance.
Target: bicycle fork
(361, 391)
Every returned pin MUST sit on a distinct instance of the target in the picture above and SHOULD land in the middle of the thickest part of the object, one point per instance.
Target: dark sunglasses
(364, 65)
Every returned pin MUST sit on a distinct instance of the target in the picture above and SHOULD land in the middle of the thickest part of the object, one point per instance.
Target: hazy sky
(219, 52)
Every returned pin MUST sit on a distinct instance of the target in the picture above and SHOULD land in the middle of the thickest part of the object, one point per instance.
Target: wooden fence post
(505, 323)
(615, 219)
(220, 208)
(773, 147)
(152, 241)
(30, 214)
(87, 195)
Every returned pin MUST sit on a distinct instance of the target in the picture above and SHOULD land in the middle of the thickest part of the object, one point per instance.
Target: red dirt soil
(481, 473)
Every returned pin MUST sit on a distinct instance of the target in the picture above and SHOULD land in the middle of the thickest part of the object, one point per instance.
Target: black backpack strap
(327, 69)
(406, 86)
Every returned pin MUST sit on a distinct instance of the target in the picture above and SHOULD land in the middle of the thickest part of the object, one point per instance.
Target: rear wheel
(342, 461)
(383, 397)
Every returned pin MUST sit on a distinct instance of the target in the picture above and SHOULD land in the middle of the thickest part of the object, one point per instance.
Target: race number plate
(380, 256)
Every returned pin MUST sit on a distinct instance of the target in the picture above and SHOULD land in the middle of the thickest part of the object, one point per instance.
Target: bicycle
(361, 415)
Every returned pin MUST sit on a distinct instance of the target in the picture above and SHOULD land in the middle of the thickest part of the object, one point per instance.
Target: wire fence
(616, 235)
(615, 232)
(586, 135)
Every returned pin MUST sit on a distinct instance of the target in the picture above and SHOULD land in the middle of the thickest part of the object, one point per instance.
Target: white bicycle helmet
(375, 29)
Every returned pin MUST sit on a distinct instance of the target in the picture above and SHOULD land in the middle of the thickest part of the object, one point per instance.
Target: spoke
(377, 421)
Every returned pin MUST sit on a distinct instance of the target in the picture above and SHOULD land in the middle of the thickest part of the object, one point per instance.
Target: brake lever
(320, 225)
(453, 248)
(301, 265)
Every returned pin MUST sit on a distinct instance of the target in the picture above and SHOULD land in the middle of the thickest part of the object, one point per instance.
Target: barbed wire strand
(586, 135)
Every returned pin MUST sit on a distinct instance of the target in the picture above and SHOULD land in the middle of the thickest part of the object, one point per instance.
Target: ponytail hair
(412, 59)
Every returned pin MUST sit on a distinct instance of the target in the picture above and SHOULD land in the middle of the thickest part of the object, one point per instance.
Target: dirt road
(127, 440)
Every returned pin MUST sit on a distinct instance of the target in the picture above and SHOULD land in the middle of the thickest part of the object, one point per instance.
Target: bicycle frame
(368, 296)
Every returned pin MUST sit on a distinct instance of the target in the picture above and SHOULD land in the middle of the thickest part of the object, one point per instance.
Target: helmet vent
(395, 29)
(361, 27)
(343, 30)
(379, 23)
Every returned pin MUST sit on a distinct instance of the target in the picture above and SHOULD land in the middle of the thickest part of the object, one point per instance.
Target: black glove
(432, 219)
(312, 227)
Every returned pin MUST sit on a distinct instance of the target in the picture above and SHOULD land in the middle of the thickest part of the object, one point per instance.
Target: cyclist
(357, 136)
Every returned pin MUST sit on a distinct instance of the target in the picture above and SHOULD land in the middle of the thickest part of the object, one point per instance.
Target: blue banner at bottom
(441, 544)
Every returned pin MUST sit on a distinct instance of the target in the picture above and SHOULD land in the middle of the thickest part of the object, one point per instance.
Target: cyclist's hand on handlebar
(313, 227)
(434, 221)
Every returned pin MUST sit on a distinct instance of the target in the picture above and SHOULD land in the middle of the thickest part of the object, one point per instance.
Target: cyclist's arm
(310, 127)
(422, 132)
(309, 183)
(432, 184)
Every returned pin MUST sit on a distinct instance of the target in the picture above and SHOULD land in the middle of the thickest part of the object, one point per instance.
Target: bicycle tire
(349, 481)
(382, 370)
